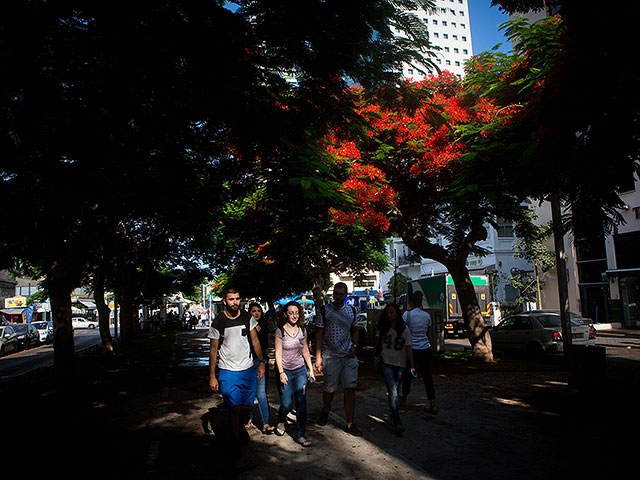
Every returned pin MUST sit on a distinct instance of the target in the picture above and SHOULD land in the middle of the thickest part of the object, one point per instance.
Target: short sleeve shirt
(393, 347)
(235, 351)
(418, 322)
(337, 324)
(292, 348)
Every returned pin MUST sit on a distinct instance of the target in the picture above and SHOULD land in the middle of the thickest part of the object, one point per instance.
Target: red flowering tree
(406, 160)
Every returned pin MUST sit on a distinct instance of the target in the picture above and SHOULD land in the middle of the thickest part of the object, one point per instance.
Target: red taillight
(556, 337)
(592, 333)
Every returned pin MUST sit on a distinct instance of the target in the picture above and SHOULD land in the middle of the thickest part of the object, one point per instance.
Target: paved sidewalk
(510, 420)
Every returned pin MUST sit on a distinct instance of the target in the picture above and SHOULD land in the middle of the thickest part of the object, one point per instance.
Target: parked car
(45, 331)
(576, 317)
(27, 335)
(535, 333)
(79, 322)
(8, 340)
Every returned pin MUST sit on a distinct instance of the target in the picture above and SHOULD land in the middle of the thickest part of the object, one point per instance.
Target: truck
(439, 293)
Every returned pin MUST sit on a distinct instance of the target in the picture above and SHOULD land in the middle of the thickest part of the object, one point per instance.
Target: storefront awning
(88, 303)
(624, 272)
(14, 311)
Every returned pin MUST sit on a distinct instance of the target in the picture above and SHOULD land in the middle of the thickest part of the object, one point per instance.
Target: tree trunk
(104, 312)
(60, 288)
(128, 295)
(128, 316)
(475, 325)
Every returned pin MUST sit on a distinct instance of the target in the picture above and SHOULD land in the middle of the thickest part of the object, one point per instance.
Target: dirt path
(505, 421)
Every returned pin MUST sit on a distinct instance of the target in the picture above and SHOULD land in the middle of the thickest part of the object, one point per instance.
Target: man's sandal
(280, 429)
(304, 442)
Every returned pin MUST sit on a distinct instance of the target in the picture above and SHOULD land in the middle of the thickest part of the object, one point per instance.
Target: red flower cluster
(368, 187)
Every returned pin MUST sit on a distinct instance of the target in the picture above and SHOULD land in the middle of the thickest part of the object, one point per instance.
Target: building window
(457, 63)
(461, 13)
(636, 210)
(410, 71)
(465, 51)
(444, 23)
(438, 60)
(464, 39)
(462, 25)
(455, 37)
(453, 24)
(444, 35)
(446, 49)
(435, 22)
(436, 35)
(505, 228)
(455, 50)
(448, 62)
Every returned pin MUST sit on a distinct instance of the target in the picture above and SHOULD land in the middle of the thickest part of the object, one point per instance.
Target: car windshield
(40, 325)
(20, 327)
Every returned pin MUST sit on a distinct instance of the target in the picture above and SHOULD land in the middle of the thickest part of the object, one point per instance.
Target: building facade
(450, 30)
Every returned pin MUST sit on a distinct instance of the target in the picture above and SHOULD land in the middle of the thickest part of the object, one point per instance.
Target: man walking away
(419, 322)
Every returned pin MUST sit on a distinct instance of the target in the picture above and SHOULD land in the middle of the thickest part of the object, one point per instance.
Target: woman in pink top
(292, 361)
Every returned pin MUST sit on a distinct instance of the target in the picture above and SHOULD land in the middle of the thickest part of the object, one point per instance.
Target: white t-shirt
(418, 322)
(393, 347)
(235, 352)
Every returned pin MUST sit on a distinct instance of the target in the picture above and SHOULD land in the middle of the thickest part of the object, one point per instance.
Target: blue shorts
(344, 369)
(238, 388)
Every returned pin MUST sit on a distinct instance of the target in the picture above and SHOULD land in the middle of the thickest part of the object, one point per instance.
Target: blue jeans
(261, 394)
(294, 392)
(392, 375)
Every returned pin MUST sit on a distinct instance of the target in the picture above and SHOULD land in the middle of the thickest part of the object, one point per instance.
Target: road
(42, 356)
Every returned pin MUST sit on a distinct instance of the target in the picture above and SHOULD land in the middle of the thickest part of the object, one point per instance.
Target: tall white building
(449, 29)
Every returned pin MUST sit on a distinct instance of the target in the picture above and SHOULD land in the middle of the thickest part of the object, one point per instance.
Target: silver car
(536, 333)
(8, 340)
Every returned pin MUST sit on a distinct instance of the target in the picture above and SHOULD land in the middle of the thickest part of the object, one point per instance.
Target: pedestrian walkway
(489, 417)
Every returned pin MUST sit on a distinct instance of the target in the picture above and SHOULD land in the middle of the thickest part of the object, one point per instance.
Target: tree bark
(475, 325)
(104, 312)
(128, 316)
(60, 288)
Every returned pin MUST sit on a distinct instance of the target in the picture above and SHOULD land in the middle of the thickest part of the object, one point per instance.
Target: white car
(45, 331)
(536, 333)
(79, 322)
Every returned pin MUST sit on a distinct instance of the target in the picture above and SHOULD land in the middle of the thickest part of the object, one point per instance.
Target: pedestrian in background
(255, 309)
(419, 322)
(394, 348)
(292, 361)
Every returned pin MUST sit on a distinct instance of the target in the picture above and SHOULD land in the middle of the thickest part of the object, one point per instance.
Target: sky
(485, 21)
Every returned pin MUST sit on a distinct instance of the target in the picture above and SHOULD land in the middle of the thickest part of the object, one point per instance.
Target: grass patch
(451, 358)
